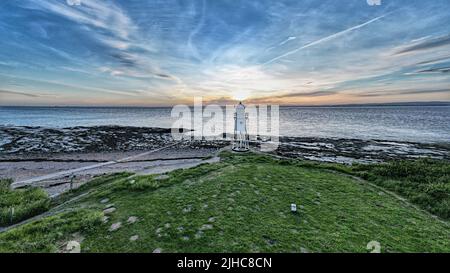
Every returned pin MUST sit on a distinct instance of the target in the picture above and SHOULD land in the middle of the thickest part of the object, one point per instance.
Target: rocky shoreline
(41, 144)
(27, 153)
(350, 151)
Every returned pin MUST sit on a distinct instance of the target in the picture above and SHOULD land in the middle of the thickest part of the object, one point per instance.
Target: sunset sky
(164, 52)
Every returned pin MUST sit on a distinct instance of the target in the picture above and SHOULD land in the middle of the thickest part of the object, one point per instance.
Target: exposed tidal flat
(28, 152)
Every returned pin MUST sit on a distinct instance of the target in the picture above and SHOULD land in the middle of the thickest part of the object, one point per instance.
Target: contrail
(324, 39)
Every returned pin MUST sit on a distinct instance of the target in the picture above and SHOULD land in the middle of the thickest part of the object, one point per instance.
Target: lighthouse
(241, 138)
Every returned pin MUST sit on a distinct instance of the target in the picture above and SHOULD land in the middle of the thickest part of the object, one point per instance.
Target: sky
(166, 52)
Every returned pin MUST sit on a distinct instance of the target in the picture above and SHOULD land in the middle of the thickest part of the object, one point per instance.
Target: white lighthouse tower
(241, 139)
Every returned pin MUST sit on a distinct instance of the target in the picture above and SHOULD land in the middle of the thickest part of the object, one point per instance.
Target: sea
(425, 124)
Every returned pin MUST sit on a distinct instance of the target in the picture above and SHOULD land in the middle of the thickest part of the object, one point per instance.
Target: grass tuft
(20, 204)
(49, 234)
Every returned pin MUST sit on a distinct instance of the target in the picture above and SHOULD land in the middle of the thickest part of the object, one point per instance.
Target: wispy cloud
(149, 52)
(426, 44)
(405, 92)
(7, 92)
(325, 39)
(196, 30)
(288, 40)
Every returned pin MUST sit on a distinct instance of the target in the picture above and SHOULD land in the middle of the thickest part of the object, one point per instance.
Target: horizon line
(406, 103)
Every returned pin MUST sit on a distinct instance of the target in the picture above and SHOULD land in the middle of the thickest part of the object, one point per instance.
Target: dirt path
(34, 180)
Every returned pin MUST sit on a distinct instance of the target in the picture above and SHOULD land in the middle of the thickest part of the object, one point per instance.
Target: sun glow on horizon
(240, 95)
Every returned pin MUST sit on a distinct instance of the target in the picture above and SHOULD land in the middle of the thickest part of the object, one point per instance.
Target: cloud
(404, 92)
(196, 30)
(142, 51)
(312, 94)
(426, 44)
(220, 101)
(125, 58)
(287, 40)
(436, 70)
(434, 61)
(65, 86)
(103, 22)
(325, 39)
(7, 92)
(319, 93)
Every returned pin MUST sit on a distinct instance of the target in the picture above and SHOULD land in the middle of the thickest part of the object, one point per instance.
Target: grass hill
(241, 204)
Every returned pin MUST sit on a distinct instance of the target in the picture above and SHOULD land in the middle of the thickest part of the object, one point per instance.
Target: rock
(132, 219)
(134, 238)
(109, 210)
(198, 235)
(157, 250)
(303, 250)
(167, 225)
(187, 209)
(206, 226)
(105, 219)
(109, 206)
(73, 247)
(211, 219)
(132, 181)
(104, 201)
(115, 226)
(162, 177)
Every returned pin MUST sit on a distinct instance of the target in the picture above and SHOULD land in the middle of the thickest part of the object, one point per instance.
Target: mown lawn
(239, 205)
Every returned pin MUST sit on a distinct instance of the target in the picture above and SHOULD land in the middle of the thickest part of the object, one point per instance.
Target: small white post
(12, 214)
(293, 208)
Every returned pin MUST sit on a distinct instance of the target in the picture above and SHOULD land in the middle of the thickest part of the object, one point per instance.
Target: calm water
(406, 123)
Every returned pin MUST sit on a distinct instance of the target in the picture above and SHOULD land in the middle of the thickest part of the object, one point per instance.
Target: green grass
(241, 204)
(424, 182)
(93, 184)
(20, 204)
(49, 234)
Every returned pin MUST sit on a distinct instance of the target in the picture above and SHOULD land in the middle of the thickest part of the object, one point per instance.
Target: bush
(144, 183)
